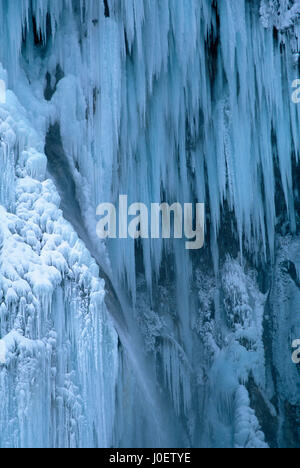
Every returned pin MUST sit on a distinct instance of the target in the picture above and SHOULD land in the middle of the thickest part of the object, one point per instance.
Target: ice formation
(168, 100)
(61, 348)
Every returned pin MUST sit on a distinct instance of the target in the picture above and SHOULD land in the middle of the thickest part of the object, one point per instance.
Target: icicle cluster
(54, 324)
(59, 348)
(155, 107)
(168, 100)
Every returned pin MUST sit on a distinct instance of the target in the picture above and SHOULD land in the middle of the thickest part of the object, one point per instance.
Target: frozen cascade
(55, 326)
(168, 100)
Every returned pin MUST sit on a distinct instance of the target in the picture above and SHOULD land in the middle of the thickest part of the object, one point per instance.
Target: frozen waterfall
(130, 343)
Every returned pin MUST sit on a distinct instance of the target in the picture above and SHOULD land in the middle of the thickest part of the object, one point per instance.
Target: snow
(280, 13)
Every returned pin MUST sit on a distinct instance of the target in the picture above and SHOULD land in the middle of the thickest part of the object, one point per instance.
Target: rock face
(141, 343)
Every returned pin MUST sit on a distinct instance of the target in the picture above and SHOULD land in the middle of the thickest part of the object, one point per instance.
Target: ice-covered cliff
(141, 343)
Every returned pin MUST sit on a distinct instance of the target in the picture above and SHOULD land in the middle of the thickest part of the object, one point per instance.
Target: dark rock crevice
(61, 172)
(106, 9)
